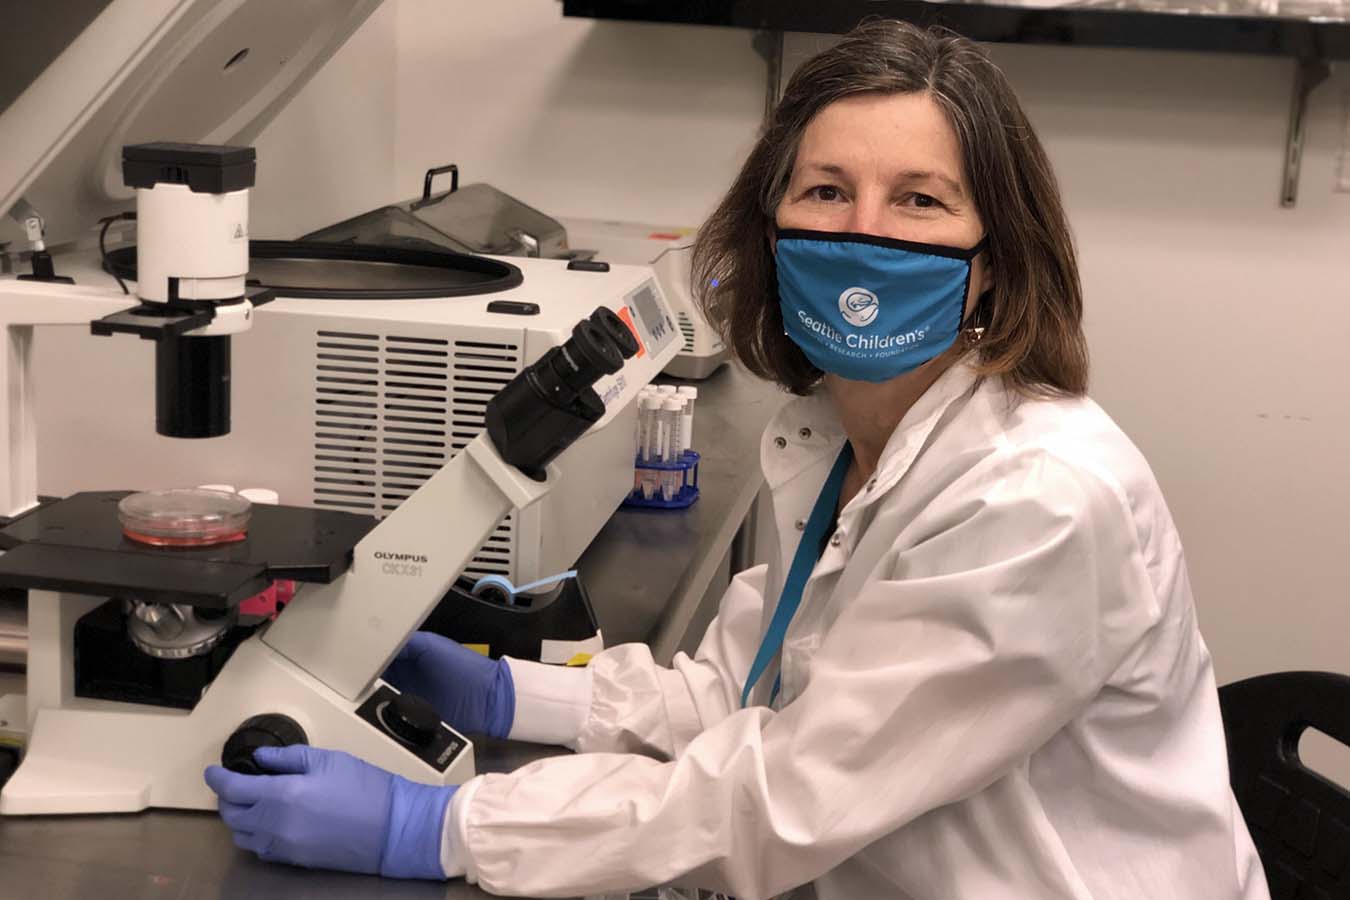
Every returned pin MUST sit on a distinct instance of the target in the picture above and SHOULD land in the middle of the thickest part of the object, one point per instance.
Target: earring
(973, 336)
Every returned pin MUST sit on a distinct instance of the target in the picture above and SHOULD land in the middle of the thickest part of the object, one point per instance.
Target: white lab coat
(994, 687)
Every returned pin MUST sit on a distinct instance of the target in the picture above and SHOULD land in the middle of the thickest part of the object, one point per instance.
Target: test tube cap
(264, 496)
(688, 390)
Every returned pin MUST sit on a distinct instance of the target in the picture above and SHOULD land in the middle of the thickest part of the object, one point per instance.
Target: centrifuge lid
(311, 269)
(196, 71)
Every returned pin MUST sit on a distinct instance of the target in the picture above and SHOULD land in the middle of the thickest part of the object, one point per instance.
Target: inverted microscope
(140, 669)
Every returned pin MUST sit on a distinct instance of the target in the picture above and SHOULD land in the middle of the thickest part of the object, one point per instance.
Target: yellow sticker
(479, 648)
(580, 659)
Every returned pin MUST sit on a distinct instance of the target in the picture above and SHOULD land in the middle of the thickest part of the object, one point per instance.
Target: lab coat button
(801, 524)
(804, 434)
(871, 485)
(780, 442)
(837, 539)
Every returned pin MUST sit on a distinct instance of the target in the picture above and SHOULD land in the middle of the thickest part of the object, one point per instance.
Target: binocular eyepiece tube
(550, 404)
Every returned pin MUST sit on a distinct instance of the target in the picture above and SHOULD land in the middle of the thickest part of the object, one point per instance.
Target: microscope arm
(346, 633)
(24, 304)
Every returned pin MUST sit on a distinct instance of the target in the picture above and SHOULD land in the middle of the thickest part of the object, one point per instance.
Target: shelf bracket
(1310, 73)
(769, 46)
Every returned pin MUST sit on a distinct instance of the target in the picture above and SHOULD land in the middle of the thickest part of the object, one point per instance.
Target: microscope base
(98, 756)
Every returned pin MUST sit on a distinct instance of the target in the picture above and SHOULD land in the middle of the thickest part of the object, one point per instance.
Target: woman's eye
(826, 192)
(924, 201)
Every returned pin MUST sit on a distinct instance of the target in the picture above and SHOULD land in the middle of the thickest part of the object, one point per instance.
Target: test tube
(673, 411)
(640, 428)
(673, 408)
(689, 394)
(648, 482)
(651, 408)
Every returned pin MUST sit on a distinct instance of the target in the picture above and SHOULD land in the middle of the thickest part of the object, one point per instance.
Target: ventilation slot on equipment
(346, 420)
(391, 410)
(687, 329)
(495, 557)
(481, 370)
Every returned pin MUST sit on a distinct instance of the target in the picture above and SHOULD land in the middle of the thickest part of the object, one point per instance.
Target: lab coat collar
(915, 429)
(808, 429)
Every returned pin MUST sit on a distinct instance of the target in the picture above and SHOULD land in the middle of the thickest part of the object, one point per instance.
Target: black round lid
(265, 730)
(310, 269)
(412, 719)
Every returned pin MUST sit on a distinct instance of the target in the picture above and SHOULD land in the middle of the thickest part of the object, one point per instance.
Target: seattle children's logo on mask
(859, 306)
(844, 328)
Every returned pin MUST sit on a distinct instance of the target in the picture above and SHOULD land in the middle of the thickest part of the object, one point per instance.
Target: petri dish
(184, 517)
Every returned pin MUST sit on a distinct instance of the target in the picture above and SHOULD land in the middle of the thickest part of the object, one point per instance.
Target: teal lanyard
(808, 551)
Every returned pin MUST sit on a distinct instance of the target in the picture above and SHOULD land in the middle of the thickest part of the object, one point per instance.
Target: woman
(971, 669)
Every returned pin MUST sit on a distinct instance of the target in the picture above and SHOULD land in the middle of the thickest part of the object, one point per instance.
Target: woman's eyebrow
(922, 175)
(907, 175)
(828, 168)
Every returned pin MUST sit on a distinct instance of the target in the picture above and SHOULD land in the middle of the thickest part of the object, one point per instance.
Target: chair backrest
(1299, 820)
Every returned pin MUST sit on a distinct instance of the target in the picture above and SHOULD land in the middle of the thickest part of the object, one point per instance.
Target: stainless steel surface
(190, 856)
(648, 570)
(475, 218)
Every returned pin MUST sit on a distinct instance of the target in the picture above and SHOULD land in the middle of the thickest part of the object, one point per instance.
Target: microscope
(140, 670)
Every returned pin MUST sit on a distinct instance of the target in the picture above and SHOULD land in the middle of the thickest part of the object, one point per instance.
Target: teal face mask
(870, 308)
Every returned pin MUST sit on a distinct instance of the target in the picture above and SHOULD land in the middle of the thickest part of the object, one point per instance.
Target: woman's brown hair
(1033, 335)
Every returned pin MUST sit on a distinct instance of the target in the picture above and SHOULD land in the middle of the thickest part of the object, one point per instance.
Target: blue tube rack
(650, 473)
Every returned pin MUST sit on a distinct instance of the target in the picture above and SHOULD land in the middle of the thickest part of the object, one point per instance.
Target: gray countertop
(647, 573)
(171, 855)
(647, 570)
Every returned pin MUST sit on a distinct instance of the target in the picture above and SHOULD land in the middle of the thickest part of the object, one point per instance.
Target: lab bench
(652, 576)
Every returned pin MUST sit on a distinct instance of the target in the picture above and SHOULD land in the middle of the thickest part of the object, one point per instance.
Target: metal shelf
(1075, 25)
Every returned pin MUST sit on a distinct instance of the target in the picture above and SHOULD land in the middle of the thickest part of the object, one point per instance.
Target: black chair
(1299, 820)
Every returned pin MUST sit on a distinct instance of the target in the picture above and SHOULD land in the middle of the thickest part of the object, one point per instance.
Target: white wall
(330, 153)
(1216, 318)
(575, 117)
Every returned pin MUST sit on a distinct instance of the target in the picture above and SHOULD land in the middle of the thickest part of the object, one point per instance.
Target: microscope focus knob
(266, 730)
(412, 719)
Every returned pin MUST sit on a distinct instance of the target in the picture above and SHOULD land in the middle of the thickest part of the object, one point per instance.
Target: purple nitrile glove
(329, 810)
(471, 692)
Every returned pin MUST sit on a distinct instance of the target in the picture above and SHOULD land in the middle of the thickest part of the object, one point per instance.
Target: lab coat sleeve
(991, 627)
(624, 702)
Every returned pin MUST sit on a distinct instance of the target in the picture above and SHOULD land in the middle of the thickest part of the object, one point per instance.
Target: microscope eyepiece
(594, 351)
(551, 403)
(609, 322)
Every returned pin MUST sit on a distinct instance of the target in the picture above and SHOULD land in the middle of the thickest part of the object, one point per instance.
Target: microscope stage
(76, 545)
